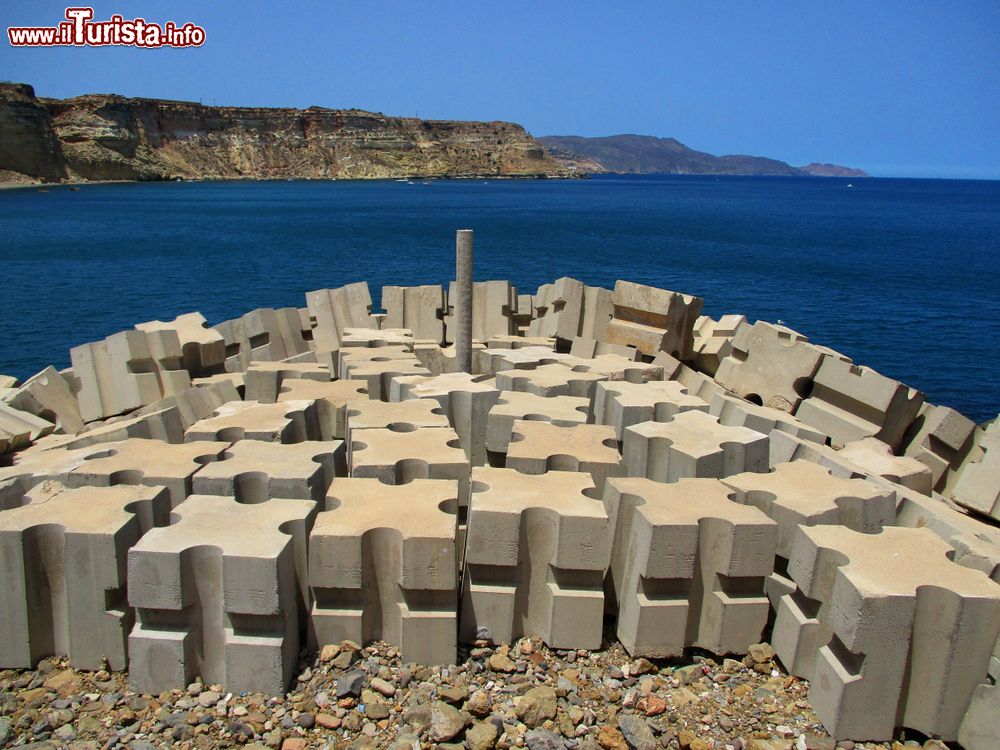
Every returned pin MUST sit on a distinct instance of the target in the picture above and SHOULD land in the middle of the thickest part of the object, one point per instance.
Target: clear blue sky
(897, 88)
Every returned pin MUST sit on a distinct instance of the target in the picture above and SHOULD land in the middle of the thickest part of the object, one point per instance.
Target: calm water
(902, 275)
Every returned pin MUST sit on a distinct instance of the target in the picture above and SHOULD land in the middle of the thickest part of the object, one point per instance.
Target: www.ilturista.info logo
(79, 30)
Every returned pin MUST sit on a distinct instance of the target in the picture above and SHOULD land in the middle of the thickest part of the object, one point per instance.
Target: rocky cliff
(110, 137)
(646, 154)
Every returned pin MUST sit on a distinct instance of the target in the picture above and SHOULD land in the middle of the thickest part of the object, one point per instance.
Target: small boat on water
(850, 184)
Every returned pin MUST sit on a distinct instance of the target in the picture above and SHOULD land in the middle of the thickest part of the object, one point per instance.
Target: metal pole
(463, 305)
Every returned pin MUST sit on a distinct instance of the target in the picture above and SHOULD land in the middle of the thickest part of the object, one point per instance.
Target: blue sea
(901, 275)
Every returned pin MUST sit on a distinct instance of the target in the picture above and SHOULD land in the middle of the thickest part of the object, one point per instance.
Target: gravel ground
(525, 695)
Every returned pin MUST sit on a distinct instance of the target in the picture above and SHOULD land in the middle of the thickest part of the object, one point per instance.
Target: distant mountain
(646, 154)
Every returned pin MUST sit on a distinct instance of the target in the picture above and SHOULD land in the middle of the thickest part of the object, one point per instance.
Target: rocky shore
(525, 695)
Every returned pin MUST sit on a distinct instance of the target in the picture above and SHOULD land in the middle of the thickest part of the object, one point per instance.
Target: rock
(405, 742)
(65, 682)
(759, 653)
(329, 652)
(294, 743)
(482, 736)
(383, 687)
(641, 666)
(637, 733)
(652, 705)
(306, 721)
(345, 659)
(502, 663)
(326, 721)
(811, 741)
(376, 711)
(208, 698)
(454, 694)
(536, 706)
(446, 722)
(350, 684)
(66, 732)
(689, 674)
(5, 723)
(542, 739)
(479, 704)
(688, 740)
(418, 716)
(611, 739)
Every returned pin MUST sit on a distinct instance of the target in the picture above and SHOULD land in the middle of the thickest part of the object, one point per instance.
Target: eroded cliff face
(109, 137)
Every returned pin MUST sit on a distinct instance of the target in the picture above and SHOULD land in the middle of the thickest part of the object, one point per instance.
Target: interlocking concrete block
(333, 310)
(850, 402)
(589, 348)
(441, 359)
(464, 398)
(771, 365)
(692, 444)
(875, 457)
(378, 372)
(219, 593)
(653, 320)
(127, 370)
(540, 447)
(252, 471)
(538, 549)
(802, 493)
(195, 403)
(165, 424)
(524, 313)
(149, 463)
(18, 429)
(623, 404)
(400, 457)
(404, 416)
(713, 340)
(688, 566)
(558, 309)
(550, 380)
(493, 306)
(332, 400)
(9, 381)
(62, 557)
(262, 335)
(520, 342)
(203, 349)
(978, 486)
(48, 395)
(731, 410)
(787, 447)
(978, 730)
(493, 360)
(263, 380)
(616, 367)
(419, 308)
(372, 339)
(382, 565)
(562, 411)
(911, 632)
(283, 422)
(34, 466)
(361, 354)
(941, 439)
(976, 544)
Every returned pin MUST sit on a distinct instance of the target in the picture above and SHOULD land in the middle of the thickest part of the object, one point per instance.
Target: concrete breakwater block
(677, 480)
(218, 594)
(623, 404)
(887, 628)
(62, 555)
(688, 566)
(537, 551)
(382, 565)
(691, 444)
